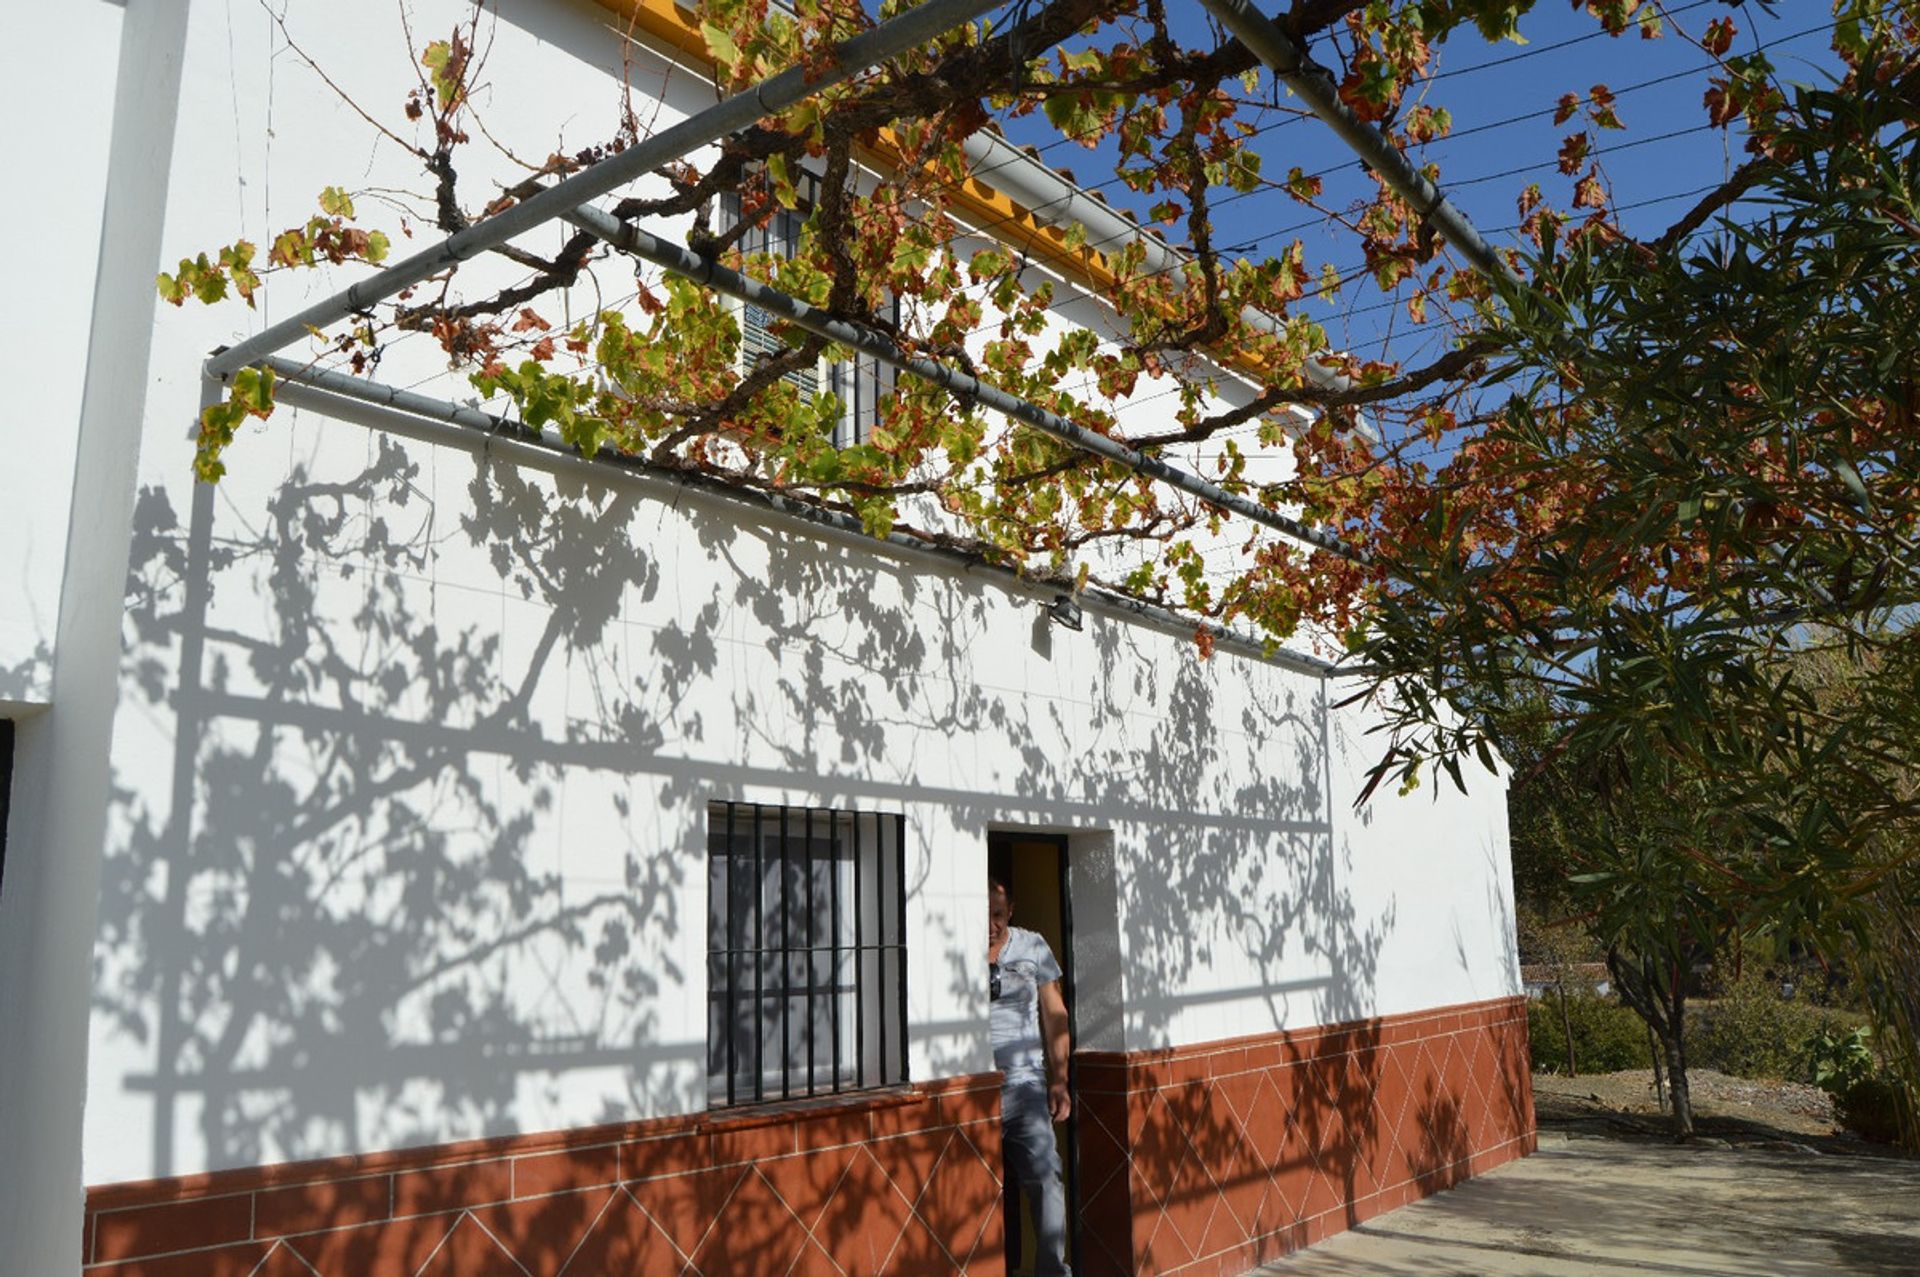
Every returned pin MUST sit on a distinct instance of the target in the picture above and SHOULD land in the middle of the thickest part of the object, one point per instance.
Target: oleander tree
(1691, 538)
(1624, 837)
(1659, 863)
(1638, 490)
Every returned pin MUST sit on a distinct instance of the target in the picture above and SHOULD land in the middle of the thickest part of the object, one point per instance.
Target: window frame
(860, 382)
(860, 1000)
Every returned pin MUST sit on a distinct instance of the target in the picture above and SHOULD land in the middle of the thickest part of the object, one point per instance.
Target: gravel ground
(1743, 1111)
(1770, 1189)
(1609, 1203)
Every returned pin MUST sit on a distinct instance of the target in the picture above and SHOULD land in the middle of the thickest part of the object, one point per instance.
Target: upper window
(806, 953)
(859, 382)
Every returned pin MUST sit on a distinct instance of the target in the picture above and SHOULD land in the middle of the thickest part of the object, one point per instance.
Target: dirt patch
(1740, 1111)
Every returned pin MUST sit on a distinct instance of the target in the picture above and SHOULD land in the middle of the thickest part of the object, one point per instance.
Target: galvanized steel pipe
(704, 270)
(910, 30)
(1289, 61)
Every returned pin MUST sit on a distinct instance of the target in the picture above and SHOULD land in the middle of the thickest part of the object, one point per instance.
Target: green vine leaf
(250, 394)
(336, 202)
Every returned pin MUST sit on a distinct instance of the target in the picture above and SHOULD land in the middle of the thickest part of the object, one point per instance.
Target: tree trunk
(1682, 1113)
(1566, 1026)
(1659, 1070)
(1658, 996)
(1676, 1044)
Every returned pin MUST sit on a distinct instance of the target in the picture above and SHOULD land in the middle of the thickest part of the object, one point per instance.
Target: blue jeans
(1033, 1160)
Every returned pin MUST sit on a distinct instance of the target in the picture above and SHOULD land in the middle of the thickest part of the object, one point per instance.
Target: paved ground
(1593, 1204)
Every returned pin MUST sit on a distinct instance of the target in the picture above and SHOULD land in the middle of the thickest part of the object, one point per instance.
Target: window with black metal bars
(859, 382)
(806, 952)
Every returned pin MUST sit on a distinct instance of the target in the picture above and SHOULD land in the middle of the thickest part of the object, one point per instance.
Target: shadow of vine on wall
(409, 838)
(345, 838)
(405, 846)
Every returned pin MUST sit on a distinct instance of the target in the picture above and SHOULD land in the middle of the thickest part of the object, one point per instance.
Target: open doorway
(1034, 867)
(6, 792)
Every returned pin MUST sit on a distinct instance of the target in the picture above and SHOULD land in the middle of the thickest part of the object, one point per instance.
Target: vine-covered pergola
(1189, 303)
(1646, 488)
(572, 199)
(254, 364)
(741, 122)
(912, 91)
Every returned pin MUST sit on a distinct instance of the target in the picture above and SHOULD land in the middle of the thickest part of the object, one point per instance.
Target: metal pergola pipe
(441, 421)
(911, 29)
(1289, 61)
(570, 199)
(706, 271)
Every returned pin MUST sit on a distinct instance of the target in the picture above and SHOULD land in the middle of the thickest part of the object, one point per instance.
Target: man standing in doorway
(1030, 1047)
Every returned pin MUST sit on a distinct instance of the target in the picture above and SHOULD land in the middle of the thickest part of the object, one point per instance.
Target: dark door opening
(1034, 867)
(6, 792)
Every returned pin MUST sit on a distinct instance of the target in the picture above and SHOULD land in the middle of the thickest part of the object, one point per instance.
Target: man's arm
(1058, 1042)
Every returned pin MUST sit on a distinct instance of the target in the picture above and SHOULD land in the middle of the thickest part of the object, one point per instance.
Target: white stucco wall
(445, 766)
(50, 54)
(409, 749)
(62, 773)
(1253, 896)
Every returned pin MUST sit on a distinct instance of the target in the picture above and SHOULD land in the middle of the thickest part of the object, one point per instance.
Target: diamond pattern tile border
(905, 1182)
(1212, 1158)
(1218, 1158)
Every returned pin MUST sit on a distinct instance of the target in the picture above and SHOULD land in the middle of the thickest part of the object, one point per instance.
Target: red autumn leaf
(1601, 109)
(1573, 152)
(1588, 193)
(1721, 108)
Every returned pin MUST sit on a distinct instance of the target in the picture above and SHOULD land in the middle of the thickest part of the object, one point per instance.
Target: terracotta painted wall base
(1216, 1159)
(907, 1182)
(1208, 1159)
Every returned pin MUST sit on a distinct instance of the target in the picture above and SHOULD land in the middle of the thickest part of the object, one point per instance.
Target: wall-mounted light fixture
(1065, 612)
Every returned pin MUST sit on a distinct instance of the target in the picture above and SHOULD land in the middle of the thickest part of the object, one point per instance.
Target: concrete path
(1587, 1204)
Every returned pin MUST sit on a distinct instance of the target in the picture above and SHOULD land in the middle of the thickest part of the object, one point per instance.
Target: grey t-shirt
(1025, 964)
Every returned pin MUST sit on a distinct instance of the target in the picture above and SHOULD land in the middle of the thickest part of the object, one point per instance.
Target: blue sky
(1657, 166)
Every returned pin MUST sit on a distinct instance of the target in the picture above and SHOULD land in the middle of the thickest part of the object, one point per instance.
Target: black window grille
(806, 952)
(860, 382)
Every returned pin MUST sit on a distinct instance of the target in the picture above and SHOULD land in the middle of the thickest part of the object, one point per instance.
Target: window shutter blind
(860, 383)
